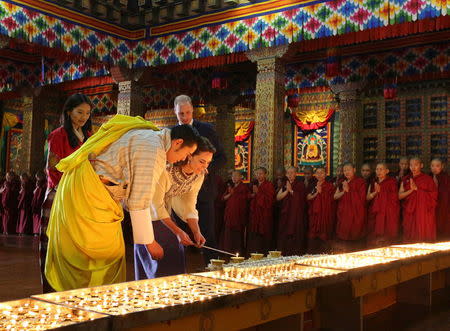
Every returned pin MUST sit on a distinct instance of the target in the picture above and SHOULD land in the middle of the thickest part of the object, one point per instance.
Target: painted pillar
(268, 136)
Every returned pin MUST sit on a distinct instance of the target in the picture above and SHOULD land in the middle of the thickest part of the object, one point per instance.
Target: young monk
(279, 182)
(38, 199)
(308, 179)
(367, 174)
(9, 194)
(384, 210)
(25, 220)
(339, 178)
(351, 211)
(403, 169)
(320, 211)
(419, 193)
(236, 215)
(291, 231)
(261, 213)
(442, 180)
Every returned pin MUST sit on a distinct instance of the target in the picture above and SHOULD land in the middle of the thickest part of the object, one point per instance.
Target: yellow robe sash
(86, 246)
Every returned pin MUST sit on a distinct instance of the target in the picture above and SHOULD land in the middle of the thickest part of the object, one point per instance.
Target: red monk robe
(261, 218)
(419, 218)
(384, 212)
(351, 211)
(2, 183)
(443, 206)
(321, 218)
(9, 203)
(291, 232)
(235, 219)
(25, 221)
(36, 204)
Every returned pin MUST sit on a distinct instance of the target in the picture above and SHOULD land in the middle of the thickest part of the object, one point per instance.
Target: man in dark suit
(207, 195)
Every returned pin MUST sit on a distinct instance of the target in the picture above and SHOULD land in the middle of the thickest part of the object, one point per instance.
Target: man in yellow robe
(121, 163)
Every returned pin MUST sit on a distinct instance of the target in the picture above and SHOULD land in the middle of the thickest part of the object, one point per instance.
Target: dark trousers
(207, 223)
(173, 262)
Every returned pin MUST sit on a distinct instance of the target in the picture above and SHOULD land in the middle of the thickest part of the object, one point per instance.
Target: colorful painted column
(31, 154)
(131, 97)
(268, 141)
(349, 108)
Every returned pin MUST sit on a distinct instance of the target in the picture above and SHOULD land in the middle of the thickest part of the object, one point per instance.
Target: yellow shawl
(86, 246)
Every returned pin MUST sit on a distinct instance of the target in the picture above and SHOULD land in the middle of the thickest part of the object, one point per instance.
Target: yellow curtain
(313, 116)
(86, 246)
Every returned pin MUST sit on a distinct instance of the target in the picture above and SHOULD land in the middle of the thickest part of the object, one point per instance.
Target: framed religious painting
(13, 147)
(243, 157)
(313, 148)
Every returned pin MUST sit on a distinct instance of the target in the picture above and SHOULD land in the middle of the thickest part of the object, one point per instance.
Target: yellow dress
(86, 246)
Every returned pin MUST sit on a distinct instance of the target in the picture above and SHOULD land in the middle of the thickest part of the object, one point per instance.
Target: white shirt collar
(190, 123)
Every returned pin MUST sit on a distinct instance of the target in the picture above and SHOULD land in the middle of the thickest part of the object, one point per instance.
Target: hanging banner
(243, 148)
(243, 158)
(313, 148)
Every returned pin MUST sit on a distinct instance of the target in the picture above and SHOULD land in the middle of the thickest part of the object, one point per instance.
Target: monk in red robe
(403, 169)
(351, 211)
(236, 215)
(384, 209)
(337, 181)
(279, 182)
(339, 178)
(420, 195)
(38, 200)
(367, 174)
(320, 211)
(442, 180)
(261, 214)
(2, 182)
(291, 231)
(309, 179)
(25, 221)
(9, 194)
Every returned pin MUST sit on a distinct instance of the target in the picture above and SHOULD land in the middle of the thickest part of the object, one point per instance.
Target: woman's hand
(184, 238)
(199, 239)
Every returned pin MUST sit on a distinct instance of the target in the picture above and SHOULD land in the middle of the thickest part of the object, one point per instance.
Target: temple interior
(319, 88)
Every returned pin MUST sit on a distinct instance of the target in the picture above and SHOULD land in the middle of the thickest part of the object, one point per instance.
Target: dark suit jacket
(208, 191)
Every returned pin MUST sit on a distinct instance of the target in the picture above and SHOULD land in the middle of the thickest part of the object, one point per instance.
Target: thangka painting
(313, 148)
(243, 157)
(13, 148)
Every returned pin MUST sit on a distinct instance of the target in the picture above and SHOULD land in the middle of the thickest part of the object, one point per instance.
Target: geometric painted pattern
(324, 19)
(103, 104)
(403, 63)
(14, 74)
(282, 26)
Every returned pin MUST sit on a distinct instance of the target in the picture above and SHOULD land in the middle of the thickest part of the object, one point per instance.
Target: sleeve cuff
(141, 221)
(192, 215)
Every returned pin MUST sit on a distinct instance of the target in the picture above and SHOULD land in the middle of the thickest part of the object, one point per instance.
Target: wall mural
(312, 148)
(13, 148)
(243, 158)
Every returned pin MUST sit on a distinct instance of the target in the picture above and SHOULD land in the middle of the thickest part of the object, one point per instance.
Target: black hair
(72, 102)
(186, 132)
(204, 145)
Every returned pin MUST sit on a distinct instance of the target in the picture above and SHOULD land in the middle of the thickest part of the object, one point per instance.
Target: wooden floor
(20, 276)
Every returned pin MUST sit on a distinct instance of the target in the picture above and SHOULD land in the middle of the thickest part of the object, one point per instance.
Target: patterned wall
(14, 74)
(413, 62)
(280, 24)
